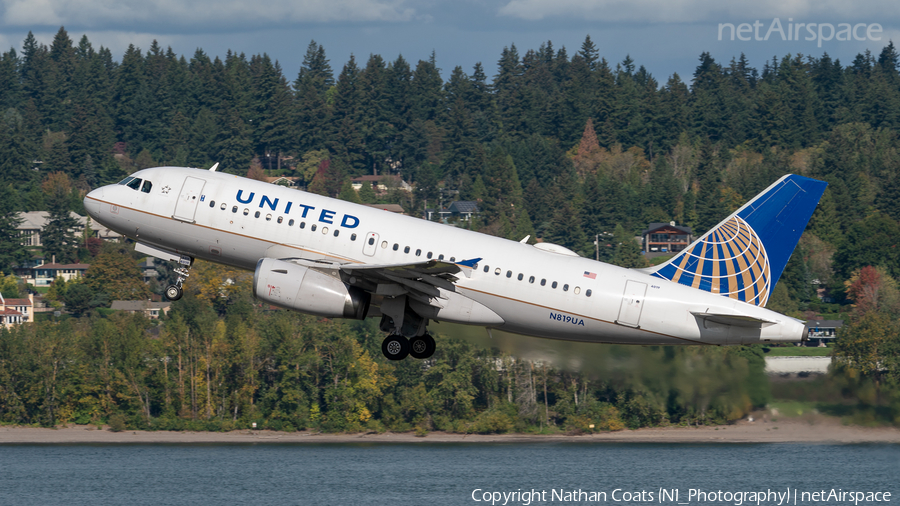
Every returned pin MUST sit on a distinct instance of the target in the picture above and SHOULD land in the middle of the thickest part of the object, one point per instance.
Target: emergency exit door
(632, 304)
(186, 207)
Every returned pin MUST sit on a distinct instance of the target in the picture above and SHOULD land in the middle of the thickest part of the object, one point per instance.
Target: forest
(564, 148)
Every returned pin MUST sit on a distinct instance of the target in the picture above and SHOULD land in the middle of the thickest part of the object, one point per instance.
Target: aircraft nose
(92, 202)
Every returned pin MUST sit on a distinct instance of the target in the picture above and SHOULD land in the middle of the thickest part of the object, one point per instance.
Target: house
(821, 332)
(463, 209)
(16, 311)
(150, 309)
(665, 238)
(33, 223)
(43, 275)
(381, 183)
(290, 182)
(394, 208)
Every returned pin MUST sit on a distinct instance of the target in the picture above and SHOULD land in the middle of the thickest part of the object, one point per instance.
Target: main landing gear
(174, 292)
(397, 347)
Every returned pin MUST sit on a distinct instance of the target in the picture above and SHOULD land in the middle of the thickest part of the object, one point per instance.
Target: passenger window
(418, 252)
(428, 255)
(396, 246)
(312, 227)
(521, 276)
(566, 287)
(223, 206)
(134, 184)
(371, 241)
(352, 237)
(554, 285)
(441, 256)
(246, 211)
(212, 203)
(509, 274)
(268, 216)
(497, 271)
(587, 293)
(291, 222)
(486, 268)
(280, 219)
(453, 259)
(148, 185)
(543, 282)
(336, 232)
(384, 244)
(256, 215)
(531, 279)
(577, 290)
(324, 230)
(406, 249)
(302, 224)
(234, 209)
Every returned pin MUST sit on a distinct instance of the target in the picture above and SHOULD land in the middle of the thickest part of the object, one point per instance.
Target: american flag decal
(590, 275)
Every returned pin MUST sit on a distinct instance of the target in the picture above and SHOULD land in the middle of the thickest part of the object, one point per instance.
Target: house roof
(82, 267)
(656, 226)
(463, 206)
(17, 302)
(138, 305)
(394, 208)
(828, 324)
(37, 220)
(375, 179)
(9, 312)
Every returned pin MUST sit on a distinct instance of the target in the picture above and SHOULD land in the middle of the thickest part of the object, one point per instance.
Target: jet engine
(293, 286)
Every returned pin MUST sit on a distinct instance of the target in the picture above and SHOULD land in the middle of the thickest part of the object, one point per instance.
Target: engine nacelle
(293, 286)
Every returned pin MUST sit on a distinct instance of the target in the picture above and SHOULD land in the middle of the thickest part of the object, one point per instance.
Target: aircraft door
(632, 304)
(186, 207)
(370, 244)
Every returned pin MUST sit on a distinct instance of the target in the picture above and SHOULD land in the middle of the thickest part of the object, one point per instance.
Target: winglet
(214, 167)
(525, 239)
(469, 263)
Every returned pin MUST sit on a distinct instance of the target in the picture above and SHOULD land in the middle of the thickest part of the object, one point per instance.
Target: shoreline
(814, 429)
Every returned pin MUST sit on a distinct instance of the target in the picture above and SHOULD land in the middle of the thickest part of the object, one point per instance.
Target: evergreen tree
(12, 253)
(58, 236)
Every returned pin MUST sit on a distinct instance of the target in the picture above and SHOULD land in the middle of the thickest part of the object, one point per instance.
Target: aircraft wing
(418, 280)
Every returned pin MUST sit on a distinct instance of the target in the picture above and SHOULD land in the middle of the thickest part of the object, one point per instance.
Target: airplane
(337, 259)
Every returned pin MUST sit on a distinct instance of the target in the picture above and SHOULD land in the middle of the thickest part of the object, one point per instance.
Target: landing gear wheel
(173, 292)
(395, 347)
(422, 347)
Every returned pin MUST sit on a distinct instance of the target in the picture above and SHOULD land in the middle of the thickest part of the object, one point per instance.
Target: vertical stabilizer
(743, 257)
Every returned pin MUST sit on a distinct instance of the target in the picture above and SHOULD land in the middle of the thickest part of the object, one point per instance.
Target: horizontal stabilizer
(733, 319)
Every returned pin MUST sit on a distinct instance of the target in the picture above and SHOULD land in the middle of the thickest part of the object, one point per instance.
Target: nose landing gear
(174, 292)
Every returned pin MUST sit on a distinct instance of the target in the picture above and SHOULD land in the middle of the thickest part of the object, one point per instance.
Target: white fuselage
(236, 221)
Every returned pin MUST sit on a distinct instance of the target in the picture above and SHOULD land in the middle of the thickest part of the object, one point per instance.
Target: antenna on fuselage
(214, 167)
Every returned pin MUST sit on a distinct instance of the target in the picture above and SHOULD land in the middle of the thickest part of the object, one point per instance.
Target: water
(440, 474)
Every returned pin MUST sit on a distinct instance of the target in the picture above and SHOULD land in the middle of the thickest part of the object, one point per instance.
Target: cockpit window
(126, 180)
(134, 184)
(147, 186)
